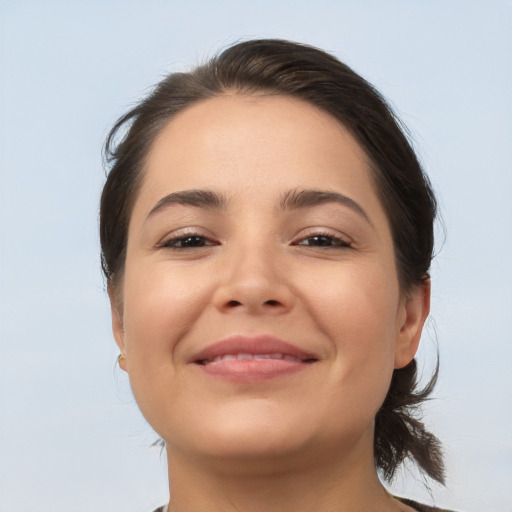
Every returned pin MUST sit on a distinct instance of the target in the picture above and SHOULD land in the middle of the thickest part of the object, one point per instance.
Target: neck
(298, 483)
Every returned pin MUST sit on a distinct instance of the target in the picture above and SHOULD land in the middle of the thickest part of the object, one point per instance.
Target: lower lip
(253, 370)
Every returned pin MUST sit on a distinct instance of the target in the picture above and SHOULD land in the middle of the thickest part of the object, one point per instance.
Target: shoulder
(420, 507)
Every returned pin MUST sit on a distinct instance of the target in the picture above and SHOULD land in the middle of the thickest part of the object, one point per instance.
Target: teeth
(249, 357)
(229, 357)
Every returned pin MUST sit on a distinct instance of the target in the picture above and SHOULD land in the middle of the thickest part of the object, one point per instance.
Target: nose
(253, 280)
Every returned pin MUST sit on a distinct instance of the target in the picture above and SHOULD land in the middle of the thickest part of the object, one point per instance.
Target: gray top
(415, 505)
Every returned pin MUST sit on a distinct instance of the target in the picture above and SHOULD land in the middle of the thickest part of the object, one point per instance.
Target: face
(260, 311)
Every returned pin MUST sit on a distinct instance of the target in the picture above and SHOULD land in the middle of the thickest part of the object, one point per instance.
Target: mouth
(255, 357)
(243, 359)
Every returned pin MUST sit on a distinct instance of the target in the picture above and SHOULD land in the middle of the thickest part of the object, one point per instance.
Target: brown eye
(188, 242)
(324, 241)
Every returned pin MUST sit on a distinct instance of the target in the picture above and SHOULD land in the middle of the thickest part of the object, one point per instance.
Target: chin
(255, 431)
(252, 452)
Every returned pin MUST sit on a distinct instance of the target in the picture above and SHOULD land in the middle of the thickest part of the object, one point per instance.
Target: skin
(297, 442)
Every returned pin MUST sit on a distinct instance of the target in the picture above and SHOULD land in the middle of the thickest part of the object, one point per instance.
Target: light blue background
(72, 439)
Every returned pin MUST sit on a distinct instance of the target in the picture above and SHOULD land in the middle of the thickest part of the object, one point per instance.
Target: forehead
(257, 146)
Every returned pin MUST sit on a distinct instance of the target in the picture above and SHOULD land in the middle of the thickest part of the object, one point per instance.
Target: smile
(252, 357)
(245, 359)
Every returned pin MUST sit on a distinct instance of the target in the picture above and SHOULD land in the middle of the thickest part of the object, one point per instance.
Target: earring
(120, 358)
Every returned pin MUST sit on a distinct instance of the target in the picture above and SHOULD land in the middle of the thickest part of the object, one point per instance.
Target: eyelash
(335, 242)
(172, 242)
(339, 243)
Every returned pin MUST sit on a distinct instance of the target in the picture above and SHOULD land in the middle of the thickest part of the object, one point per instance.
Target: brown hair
(307, 73)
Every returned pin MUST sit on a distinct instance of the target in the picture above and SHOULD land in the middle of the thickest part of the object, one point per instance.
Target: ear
(414, 311)
(117, 326)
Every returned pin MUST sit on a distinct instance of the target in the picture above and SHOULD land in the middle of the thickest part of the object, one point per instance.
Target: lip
(282, 358)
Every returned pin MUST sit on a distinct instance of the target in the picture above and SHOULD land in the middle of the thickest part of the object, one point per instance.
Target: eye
(324, 240)
(187, 241)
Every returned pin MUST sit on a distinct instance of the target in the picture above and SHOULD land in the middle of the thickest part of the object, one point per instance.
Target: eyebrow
(198, 198)
(296, 199)
(292, 200)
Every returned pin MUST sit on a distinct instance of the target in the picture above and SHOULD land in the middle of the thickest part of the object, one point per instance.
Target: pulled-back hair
(306, 73)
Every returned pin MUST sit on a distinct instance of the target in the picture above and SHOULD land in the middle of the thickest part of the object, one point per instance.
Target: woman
(266, 235)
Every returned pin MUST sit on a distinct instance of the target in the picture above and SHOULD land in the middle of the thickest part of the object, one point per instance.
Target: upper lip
(263, 344)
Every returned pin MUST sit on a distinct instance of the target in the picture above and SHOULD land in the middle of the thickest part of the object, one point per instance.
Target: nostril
(271, 304)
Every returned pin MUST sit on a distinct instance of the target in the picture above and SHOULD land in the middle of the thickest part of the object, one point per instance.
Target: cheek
(357, 309)
(160, 306)
(356, 302)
